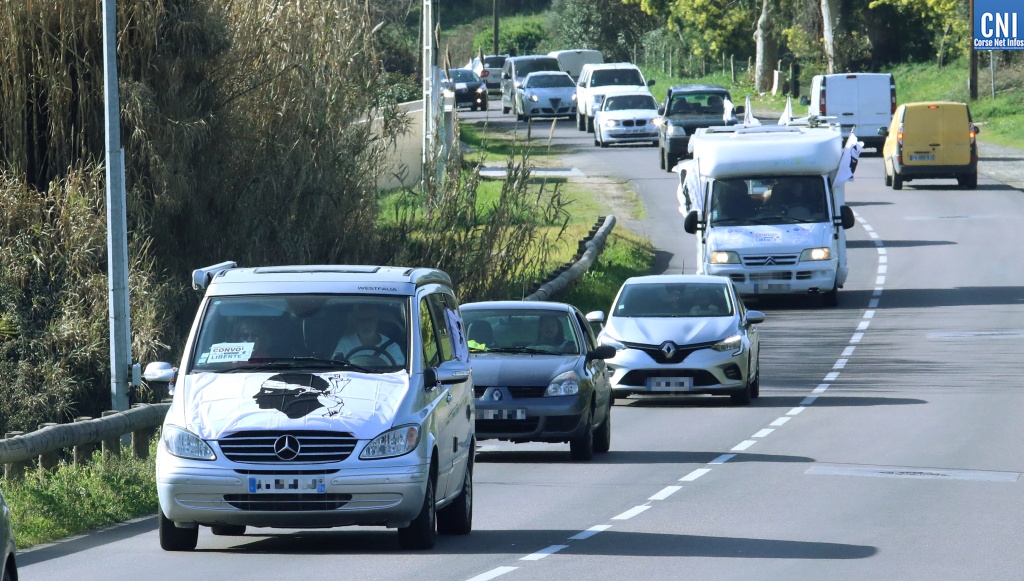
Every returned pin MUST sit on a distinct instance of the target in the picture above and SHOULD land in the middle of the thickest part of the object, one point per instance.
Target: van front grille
(313, 446)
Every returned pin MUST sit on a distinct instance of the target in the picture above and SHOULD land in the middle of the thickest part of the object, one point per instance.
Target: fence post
(81, 453)
(110, 446)
(140, 440)
(49, 459)
(15, 470)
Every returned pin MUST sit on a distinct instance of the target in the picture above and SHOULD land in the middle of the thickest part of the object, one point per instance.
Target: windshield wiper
(528, 350)
(297, 362)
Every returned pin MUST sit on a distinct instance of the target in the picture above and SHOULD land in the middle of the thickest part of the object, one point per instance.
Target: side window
(444, 339)
(588, 334)
(428, 336)
(456, 328)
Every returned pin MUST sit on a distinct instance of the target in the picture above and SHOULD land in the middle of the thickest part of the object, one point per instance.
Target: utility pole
(495, 12)
(121, 369)
(972, 79)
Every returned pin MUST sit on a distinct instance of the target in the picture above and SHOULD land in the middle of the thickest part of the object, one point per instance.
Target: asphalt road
(885, 444)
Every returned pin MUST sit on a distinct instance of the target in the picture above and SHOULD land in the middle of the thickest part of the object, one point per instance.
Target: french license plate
(922, 158)
(776, 286)
(501, 414)
(287, 484)
(669, 383)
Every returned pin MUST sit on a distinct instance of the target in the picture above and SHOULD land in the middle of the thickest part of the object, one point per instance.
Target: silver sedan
(682, 335)
(546, 94)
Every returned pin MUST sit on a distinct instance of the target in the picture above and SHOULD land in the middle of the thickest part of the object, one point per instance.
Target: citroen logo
(769, 260)
(287, 447)
(668, 348)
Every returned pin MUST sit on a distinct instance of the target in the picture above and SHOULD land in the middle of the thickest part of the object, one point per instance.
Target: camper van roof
(724, 152)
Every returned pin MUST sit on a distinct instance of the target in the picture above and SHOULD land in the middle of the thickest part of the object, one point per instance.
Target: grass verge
(625, 255)
(47, 505)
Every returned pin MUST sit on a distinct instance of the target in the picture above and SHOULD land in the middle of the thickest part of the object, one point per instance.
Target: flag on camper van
(729, 108)
(748, 115)
(848, 163)
(787, 113)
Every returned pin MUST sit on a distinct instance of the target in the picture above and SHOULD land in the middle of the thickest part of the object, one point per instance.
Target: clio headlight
(732, 343)
(567, 383)
(184, 444)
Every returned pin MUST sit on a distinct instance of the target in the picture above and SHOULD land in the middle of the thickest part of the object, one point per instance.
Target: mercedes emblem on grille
(668, 348)
(287, 447)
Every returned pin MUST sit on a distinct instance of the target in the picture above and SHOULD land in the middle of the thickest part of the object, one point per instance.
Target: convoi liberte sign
(998, 24)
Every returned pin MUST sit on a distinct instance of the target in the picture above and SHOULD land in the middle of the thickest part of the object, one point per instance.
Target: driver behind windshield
(365, 340)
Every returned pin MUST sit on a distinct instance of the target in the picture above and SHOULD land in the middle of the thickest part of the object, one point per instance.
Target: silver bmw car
(682, 335)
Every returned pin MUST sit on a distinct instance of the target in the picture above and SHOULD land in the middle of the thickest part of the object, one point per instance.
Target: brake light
(899, 135)
(821, 102)
(933, 106)
(892, 97)
(971, 131)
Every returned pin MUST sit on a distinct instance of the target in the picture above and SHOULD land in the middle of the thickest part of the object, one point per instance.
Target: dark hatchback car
(687, 108)
(539, 375)
(470, 91)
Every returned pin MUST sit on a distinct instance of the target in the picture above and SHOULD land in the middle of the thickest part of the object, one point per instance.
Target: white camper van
(762, 202)
(862, 100)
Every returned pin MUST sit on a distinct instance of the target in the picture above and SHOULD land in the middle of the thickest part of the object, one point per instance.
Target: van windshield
(272, 332)
(768, 200)
(527, 66)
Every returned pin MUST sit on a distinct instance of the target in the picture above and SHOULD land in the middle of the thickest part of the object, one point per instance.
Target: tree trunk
(766, 49)
(830, 27)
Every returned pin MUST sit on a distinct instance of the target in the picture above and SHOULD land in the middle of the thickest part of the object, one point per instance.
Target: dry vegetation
(245, 127)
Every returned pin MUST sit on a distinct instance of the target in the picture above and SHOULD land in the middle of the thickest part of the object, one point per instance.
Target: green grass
(49, 505)
(492, 145)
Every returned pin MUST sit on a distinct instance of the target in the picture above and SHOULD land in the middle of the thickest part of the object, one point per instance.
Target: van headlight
(815, 254)
(732, 343)
(392, 443)
(184, 444)
(724, 257)
(567, 383)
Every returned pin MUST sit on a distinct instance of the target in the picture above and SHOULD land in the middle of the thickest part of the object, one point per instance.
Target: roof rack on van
(201, 277)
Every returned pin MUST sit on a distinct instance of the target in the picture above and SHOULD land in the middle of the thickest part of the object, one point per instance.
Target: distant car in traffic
(539, 375)
(934, 139)
(10, 566)
(626, 116)
(595, 80)
(683, 335)
(546, 94)
(467, 87)
(514, 72)
(685, 109)
(489, 70)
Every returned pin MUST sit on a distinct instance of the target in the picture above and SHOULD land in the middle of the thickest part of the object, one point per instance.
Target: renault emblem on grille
(668, 348)
(287, 447)
(496, 394)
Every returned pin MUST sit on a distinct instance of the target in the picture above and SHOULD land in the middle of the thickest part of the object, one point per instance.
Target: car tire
(661, 158)
(485, 105)
(504, 109)
(457, 517)
(590, 124)
(741, 397)
(603, 437)
(888, 178)
(654, 143)
(897, 181)
(832, 298)
(601, 142)
(582, 447)
(581, 122)
(968, 181)
(174, 539)
(669, 162)
(755, 384)
(228, 530)
(421, 534)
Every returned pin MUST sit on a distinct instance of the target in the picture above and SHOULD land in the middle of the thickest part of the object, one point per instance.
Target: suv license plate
(922, 158)
(669, 383)
(287, 484)
(501, 414)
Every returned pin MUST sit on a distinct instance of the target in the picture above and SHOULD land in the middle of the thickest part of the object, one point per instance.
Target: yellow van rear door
(936, 134)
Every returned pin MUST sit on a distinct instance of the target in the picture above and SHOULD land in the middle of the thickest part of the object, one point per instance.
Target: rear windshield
(527, 66)
(494, 62)
(464, 76)
(673, 299)
(549, 81)
(948, 112)
(697, 104)
(768, 200)
(603, 78)
(624, 102)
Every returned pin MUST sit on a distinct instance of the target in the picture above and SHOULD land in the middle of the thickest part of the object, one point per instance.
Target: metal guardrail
(82, 436)
(577, 269)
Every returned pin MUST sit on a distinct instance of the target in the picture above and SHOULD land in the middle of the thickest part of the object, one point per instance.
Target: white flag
(848, 163)
(748, 115)
(729, 108)
(787, 114)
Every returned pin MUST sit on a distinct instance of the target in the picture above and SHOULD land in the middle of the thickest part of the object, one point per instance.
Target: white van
(765, 209)
(572, 61)
(319, 396)
(862, 100)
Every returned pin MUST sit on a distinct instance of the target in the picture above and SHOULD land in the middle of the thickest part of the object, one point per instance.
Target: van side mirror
(975, 128)
(650, 83)
(739, 110)
(846, 214)
(805, 101)
(447, 373)
(690, 223)
(883, 131)
(661, 109)
(505, 76)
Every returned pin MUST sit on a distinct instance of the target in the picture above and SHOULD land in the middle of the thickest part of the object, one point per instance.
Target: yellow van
(931, 140)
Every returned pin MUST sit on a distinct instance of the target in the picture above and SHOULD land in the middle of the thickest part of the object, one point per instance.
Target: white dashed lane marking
(763, 433)
(720, 460)
(666, 492)
(589, 532)
(631, 512)
(544, 553)
(743, 445)
(496, 572)
(781, 421)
